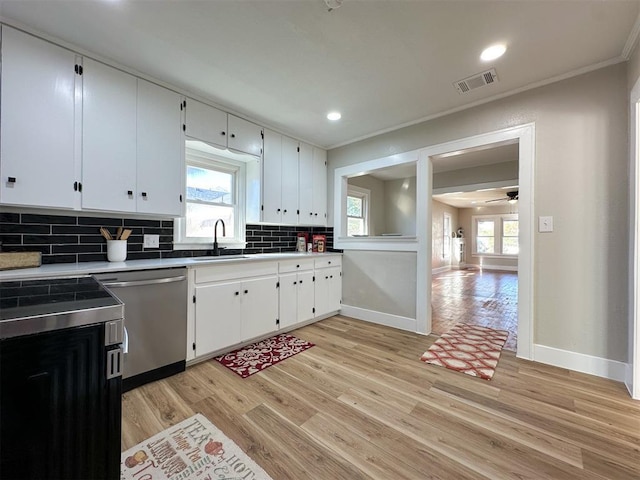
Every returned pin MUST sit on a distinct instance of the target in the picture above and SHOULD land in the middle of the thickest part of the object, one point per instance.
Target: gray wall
(581, 179)
(475, 175)
(400, 202)
(380, 281)
(437, 224)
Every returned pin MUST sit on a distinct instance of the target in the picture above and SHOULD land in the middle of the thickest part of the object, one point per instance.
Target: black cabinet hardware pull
(237, 293)
(300, 282)
(144, 194)
(295, 283)
(297, 266)
(246, 291)
(11, 179)
(233, 135)
(129, 192)
(223, 133)
(278, 210)
(329, 262)
(285, 210)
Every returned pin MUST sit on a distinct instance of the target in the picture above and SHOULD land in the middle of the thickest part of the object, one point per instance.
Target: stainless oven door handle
(137, 283)
(125, 342)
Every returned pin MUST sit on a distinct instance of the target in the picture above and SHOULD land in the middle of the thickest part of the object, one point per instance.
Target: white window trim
(497, 219)
(201, 159)
(365, 195)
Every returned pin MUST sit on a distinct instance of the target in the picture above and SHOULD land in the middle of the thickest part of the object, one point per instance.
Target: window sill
(493, 255)
(384, 242)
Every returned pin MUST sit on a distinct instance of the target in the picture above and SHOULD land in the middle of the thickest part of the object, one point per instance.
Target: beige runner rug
(469, 349)
(191, 450)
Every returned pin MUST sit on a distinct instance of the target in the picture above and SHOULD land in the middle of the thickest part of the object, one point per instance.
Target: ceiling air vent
(476, 81)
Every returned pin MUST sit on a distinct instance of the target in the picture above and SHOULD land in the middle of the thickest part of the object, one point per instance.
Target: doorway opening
(475, 239)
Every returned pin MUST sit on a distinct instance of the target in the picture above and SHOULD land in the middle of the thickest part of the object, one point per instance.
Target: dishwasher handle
(137, 283)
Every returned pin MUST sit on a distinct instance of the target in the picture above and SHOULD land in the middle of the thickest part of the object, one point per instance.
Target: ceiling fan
(512, 197)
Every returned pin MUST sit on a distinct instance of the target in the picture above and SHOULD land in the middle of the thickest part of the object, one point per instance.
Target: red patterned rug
(260, 355)
(468, 349)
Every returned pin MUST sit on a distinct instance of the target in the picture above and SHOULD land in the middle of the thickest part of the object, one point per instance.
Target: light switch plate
(152, 241)
(545, 224)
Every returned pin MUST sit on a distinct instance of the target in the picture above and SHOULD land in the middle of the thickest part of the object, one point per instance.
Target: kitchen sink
(219, 258)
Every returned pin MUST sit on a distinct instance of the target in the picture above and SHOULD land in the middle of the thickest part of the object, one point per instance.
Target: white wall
(476, 175)
(581, 179)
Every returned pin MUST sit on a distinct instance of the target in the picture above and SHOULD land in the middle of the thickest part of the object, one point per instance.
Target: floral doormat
(260, 355)
(191, 450)
(468, 349)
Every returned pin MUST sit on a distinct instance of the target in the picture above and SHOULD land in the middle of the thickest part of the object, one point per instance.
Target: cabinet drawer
(215, 273)
(332, 261)
(297, 265)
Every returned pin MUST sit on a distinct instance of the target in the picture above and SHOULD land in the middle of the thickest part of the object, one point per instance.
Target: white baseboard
(498, 267)
(601, 367)
(437, 270)
(387, 319)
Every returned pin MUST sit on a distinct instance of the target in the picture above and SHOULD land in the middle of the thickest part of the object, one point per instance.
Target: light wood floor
(361, 405)
(477, 297)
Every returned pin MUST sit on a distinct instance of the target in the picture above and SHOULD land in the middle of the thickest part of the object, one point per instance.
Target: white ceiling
(478, 199)
(383, 64)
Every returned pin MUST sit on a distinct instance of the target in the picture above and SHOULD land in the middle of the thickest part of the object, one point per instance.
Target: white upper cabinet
(272, 178)
(218, 128)
(244, 136)
(313, 185)
(289, 181)
(319, 186)
(159, 150)
(108, 138)
(306, 185)
(206, 123)
(37, 128)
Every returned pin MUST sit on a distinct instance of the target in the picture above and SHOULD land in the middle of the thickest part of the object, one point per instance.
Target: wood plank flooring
(477, 297)
(360, 405)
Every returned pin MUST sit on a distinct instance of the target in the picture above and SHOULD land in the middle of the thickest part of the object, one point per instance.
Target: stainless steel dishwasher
(155, 318)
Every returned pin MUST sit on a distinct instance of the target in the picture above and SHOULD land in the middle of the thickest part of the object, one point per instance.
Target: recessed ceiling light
(493, 52)
(333, 116)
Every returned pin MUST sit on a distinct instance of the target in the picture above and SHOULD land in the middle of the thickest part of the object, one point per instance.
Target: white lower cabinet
(232, 304)
(328, 290)
(218, 313)
(296, 298)
(235, 303)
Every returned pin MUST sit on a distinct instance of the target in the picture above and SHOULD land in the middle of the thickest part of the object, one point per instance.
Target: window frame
(498, 234)
(364, 194)
(211, 161)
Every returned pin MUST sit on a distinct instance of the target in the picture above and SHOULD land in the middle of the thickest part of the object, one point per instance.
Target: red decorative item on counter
(319, 243)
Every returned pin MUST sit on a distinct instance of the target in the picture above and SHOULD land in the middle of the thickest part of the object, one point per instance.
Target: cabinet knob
(326, 278)
(144, 194)
(316, 214)
(329, 262)
(295, 283)
(233, 135)
(11, 180)
(297, 266)
(246, 291)
(330, 276)
(300, 282)
(223, 133)
(285, 210)
(237, 293)
(130, 192)
(278, 210)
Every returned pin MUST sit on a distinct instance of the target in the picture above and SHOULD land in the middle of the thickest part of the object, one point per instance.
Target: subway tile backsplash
(71, 239)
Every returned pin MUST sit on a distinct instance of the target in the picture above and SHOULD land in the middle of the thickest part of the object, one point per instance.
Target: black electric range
(61, 379)
(34, 306)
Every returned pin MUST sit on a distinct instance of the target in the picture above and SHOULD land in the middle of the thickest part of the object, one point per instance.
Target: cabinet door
(319, 186)
(328, 290)
(159, 150)
(305, 296)
(289, 181)
(37, 122)
(272, 177)
(108, 138)
(244, 136)
(288, 299)
(259, 307)
(218, 317)
(306, 184)
(206, 123)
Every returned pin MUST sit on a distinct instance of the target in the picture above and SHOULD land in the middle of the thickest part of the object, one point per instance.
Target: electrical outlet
(545, 224)
(152, 241)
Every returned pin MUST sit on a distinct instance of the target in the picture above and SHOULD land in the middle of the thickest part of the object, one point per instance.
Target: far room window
(510, 237)
(357, 211)
(495, 235)
(213, 192)
(485, 236)
(446, 236)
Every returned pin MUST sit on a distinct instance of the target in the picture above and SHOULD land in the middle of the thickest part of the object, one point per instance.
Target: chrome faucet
(216, 250)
